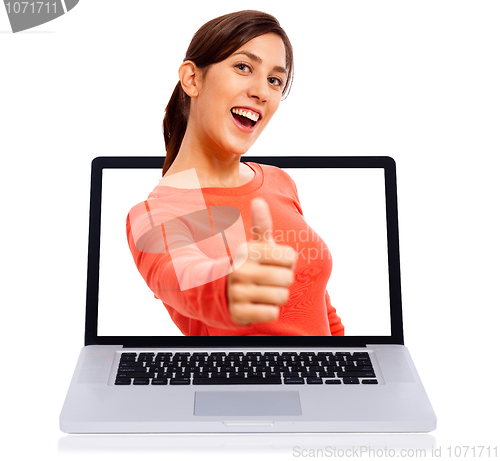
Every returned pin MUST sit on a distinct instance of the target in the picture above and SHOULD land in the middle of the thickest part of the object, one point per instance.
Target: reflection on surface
(286, 443)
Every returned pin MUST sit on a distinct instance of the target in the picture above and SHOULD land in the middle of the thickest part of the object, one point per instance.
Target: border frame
(91, 316)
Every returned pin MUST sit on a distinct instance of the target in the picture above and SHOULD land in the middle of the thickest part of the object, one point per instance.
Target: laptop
(138, 373)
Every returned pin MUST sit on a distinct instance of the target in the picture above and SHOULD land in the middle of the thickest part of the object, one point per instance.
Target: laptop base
(397, 404)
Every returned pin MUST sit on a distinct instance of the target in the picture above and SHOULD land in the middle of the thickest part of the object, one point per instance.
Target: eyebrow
(253, 57)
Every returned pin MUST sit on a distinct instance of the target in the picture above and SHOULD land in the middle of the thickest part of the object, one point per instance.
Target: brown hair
(214, 42)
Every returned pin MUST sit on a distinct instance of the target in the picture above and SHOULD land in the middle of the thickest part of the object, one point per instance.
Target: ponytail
(174, 124)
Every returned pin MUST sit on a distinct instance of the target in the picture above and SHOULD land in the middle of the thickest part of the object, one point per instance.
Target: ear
(189, 76)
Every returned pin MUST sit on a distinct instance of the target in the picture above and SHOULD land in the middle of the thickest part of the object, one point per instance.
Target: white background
(414, 80)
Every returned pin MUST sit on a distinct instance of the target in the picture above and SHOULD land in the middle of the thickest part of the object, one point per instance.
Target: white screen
(345, 206)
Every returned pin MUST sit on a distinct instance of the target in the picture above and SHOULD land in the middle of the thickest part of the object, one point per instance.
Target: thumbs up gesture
(260, 285)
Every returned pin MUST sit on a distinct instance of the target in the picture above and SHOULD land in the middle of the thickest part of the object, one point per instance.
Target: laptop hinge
(255, 346)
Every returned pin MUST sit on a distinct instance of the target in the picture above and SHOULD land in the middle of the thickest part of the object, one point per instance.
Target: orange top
(202, 310)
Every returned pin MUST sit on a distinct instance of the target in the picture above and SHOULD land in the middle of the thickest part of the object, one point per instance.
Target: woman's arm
(185, 279)
(218, 291)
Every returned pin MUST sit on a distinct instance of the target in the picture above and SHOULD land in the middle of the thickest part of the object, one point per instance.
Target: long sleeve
(184, 279)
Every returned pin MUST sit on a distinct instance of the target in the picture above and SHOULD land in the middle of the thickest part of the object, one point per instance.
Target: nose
(259, 89)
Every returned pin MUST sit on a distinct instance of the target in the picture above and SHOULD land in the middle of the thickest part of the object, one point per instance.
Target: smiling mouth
(245, 117)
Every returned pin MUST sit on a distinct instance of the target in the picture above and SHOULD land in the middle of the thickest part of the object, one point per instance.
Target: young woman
(223, 243)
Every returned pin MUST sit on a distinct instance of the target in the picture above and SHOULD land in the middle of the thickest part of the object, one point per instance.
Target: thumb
(262, 223)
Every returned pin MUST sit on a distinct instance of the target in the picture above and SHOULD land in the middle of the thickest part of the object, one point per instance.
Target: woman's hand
(260, 285)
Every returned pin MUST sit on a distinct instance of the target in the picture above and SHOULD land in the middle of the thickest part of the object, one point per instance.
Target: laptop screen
(344, 200)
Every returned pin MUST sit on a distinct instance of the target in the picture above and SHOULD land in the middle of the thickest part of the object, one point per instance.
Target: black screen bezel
(91, 322)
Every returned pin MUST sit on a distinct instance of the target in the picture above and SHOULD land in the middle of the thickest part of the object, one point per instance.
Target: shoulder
(273, 172)
(278, 181)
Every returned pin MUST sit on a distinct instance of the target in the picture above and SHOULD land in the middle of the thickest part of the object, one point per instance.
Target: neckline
(251, 186)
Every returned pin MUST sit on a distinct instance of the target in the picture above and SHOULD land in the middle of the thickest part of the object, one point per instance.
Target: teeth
(248, 114)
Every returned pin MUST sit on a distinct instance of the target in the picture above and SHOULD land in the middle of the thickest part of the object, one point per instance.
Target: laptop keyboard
(203, 368)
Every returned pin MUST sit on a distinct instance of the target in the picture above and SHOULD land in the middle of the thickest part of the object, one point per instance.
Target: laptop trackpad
(247, 403)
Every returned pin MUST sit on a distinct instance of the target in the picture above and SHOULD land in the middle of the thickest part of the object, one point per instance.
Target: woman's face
(238, 96)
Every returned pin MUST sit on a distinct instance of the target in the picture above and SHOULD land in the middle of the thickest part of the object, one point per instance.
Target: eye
(275, 81)
(243, 67)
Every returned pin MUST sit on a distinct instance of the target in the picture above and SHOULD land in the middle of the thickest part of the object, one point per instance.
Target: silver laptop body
(356, 216)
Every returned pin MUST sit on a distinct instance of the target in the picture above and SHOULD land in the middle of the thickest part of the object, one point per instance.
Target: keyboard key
(351, 381)
(341, 355)
(309, 374)
(293, 380)
(356, 374)
(131, 369)
(175, 381)
(255, 374)
(270, 356)
(167, 374)
(159, 381)
(327, 374)
(183, 375)
(250, 380)
(358, 368)
(141, 381)
(281, 368)
(129, 365)
(203, 374)
(123, 381)
(316, 368)
(127, 360)
(314, 381)
(192, 369)
(200, 355)
(219, 375)
(136, 374)
(324, 355)
(145, 357)
(369, 381)
(236, 374)
(273, 374)
(333, 381)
